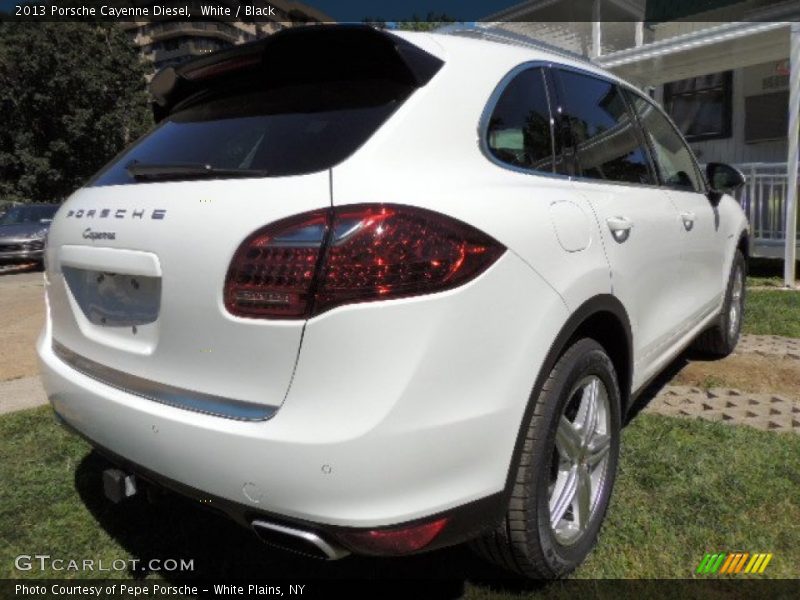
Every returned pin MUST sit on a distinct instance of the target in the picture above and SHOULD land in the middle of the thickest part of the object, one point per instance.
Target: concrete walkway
(21, 393)
(769, 345)
(770, 412)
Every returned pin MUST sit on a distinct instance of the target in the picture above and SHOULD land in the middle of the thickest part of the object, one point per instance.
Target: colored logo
(733, 563)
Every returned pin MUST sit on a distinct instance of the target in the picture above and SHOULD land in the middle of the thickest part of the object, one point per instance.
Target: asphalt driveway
(21, 320)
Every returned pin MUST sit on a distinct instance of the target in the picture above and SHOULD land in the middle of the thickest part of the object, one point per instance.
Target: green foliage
(431, 22)
(772, 312)
(72, 95)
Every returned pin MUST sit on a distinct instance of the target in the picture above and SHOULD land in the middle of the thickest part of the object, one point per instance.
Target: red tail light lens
(393, 541)
(272, 272)
(305, 265)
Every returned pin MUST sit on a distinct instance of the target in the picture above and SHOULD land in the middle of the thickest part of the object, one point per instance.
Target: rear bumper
(463, 523)
(397, 412)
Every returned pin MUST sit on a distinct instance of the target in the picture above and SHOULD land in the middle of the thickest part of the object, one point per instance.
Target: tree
(72, 95)
(431, 22)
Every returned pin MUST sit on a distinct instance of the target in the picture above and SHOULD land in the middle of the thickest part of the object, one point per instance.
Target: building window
(701, 106)
(766, 117)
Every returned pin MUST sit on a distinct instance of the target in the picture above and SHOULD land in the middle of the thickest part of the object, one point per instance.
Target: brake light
(403, 540)
(272, 272)
(308, 264)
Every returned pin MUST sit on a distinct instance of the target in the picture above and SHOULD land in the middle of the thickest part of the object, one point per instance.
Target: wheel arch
(604, 319)
(743, 245)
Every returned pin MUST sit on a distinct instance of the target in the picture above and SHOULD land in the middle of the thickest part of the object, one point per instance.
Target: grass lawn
(684, 488)
(771, 312)
(767, 272)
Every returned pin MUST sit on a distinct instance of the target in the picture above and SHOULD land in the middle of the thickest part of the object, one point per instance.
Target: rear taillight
(273, 271)
(393, 542)
(310, 263)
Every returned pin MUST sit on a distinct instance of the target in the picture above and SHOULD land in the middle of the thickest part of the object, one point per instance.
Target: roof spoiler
(297, 56)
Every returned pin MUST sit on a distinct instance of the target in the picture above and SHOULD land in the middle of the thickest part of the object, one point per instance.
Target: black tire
(526, 542)
(721, 339)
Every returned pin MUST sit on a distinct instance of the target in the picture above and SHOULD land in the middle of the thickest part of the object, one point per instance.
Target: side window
(672, 156)
(607, 141)
(519, 131)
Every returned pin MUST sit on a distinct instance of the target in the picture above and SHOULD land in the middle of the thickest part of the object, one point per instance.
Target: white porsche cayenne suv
(381, 293)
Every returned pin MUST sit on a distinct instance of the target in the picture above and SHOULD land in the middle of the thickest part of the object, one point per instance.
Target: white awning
(713, 49)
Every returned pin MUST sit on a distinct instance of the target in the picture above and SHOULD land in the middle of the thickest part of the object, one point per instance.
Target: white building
(169, 42)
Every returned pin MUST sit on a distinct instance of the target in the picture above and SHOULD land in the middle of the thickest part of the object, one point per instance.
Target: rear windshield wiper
(159, 172)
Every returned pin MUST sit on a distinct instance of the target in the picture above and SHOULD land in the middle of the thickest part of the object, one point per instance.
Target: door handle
(688, 220)
(620, 228)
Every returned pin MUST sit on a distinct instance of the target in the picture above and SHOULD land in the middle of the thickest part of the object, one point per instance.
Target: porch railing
(763, 199)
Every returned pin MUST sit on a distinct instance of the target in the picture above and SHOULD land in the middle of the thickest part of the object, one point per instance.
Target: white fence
(763, 199)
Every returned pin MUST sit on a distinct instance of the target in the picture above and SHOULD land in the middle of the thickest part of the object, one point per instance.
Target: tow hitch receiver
(118, 485)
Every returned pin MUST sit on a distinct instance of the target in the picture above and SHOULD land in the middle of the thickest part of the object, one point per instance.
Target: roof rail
(493, 33)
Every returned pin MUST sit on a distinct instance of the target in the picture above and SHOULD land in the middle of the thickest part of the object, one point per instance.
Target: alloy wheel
(735, 311)
(580, 460)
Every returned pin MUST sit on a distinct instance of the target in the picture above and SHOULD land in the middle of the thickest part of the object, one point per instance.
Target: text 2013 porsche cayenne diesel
(381, 293)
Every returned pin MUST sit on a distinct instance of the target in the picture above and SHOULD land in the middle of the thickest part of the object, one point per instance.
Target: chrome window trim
(162, 393)
(494, 97)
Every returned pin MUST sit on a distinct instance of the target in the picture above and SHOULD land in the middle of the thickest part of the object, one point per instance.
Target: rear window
(287, 131)
(519, 131)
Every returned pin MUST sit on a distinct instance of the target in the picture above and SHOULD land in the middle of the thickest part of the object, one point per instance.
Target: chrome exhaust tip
(298, 541)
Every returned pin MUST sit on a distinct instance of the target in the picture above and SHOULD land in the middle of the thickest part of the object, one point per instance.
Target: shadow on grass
(768, 267)
(177, 528)
(665, 377)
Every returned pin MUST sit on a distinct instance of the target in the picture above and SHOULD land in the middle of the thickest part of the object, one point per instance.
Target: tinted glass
(519, 130)
(28, 214)
(701, 106)
(673, 158)
(606, 137)
(288, 131)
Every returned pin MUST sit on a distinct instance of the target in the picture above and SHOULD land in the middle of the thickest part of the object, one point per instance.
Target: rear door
(638, 221)
(702, 274)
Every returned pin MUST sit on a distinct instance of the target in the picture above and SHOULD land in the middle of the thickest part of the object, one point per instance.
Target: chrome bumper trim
(209, 404)
(328, 550)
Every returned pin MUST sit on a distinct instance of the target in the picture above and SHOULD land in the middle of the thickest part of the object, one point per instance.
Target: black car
(23, 230)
